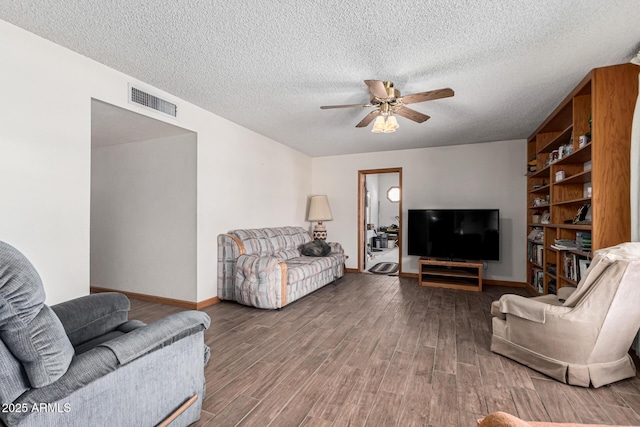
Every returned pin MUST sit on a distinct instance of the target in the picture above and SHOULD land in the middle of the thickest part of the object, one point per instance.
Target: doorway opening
(143, 205)
(379, 218)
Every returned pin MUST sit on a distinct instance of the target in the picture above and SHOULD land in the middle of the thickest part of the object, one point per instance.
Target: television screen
(467, 234)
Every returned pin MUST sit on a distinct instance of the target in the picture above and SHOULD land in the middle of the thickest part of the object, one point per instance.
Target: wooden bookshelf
(602, 104)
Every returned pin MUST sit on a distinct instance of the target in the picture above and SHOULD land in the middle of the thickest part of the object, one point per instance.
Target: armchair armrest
(529, 308)
(565, 292)
(93, 315)
(524, 308)
(156, 335)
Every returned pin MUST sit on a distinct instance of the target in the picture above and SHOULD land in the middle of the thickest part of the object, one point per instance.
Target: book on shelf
(535, 253)
(583, 240)
(574, 266)
(536, 279)
(564, 244)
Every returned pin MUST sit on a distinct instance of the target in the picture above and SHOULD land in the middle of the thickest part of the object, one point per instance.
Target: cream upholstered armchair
(582, 335)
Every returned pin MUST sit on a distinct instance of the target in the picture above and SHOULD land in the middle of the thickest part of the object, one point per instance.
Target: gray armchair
(582, 335)
(83, 363)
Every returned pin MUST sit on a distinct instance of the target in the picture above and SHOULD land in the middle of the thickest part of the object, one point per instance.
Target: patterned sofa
(264, 268)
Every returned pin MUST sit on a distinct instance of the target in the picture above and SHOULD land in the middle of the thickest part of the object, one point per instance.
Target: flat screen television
(465, 234)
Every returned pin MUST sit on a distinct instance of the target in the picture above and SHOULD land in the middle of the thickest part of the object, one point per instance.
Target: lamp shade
(319, 209)
(391, 125)
(378, 125)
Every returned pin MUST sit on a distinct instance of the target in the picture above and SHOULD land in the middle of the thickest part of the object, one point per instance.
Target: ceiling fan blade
(368, 119)
(377, 89)
(412, 114)
(327, 107)
(427, 96)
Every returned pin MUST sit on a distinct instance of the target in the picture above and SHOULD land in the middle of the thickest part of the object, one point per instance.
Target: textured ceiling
(269, 65)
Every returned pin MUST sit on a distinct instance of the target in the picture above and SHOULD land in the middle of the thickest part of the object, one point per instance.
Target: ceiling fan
(387, 101)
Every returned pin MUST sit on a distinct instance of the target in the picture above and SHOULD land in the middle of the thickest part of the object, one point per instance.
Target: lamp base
(320, 232)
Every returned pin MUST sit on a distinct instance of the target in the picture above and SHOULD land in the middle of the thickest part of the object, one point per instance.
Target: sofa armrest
(93, 315)
(260, 280)
(156, 335)
(336, 247)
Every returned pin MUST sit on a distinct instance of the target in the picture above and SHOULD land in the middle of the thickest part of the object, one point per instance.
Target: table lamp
(319, 210)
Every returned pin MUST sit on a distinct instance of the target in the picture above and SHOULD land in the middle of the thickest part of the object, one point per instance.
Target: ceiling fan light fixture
(378, 125)
(391, 124)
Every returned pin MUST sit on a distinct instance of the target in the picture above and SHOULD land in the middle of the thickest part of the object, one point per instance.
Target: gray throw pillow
(315, 248)
(29, 329)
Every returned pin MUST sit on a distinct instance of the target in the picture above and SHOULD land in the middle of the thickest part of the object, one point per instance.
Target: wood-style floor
(380, 351)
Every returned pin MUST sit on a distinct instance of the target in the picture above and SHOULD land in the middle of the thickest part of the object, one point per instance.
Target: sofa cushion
(287, 254)
(270, 241)
(29, 329)
(303, 267)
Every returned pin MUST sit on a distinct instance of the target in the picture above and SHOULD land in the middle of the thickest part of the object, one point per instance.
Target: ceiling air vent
(152, 102)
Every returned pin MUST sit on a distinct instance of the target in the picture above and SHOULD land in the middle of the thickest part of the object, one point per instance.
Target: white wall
(487, 175)
(143, 217)
(243, 179)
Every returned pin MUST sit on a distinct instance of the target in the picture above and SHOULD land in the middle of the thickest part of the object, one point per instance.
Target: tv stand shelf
(450, 274)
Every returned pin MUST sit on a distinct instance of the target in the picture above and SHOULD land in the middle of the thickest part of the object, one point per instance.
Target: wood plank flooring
(376, 350)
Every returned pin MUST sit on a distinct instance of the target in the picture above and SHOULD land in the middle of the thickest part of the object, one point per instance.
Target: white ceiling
(269, 65)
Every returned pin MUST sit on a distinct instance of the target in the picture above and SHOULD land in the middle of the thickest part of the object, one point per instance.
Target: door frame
(361, 225)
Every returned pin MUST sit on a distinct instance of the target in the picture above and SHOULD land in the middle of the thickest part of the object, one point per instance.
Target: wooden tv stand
(450, 274)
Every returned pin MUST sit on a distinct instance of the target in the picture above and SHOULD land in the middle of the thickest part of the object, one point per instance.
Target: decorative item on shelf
(583, 141)
(554, 156)
(568, 149)
(532, 166)
(536, 217)
(588, 134)
(536, 234)
(583, 216)
(587, 191)
(545, 218)
(538, 201)
(560, 175)
(319, 210)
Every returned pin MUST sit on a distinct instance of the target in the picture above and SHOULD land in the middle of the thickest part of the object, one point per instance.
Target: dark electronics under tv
(454, 234)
